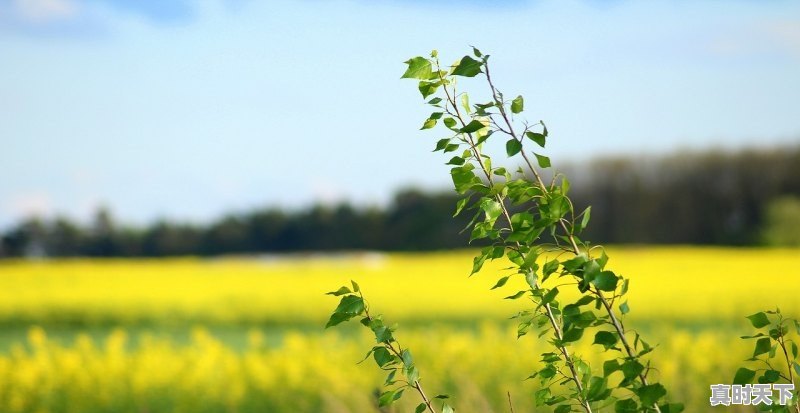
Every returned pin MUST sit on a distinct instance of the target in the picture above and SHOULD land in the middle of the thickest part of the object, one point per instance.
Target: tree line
(713, 197)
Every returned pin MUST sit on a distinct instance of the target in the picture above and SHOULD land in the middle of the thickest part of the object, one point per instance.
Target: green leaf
(428, 88)
(651, 393)
(522, 328)
(382, 356)
(548, 372)
(671, 408)
(550, 296)
(350, 304)
(429, 123)
(598, 389)
(550, 267)
(770, 376)
(744, 376)
(338, 318)
(473, 126)
(349, 307)
(624, 309)
(411, 373)
(340, 291)
(517, 104)
(492, 208)
(603, 259)
(356, 288)
(544, 161)
(564, 408)
(406, 356)
(587, 213)
(573, 264)
(480, 108)
(605, 281)
(446, 408)
(456, 160)
(631, 369)
(536, 137)
(516, 296)
(513, 147)
(762, 346)
(758, 320)
(606, 339)
(451, 148)
(497, 252)
(463, 178)
(441, 144)
(460, 205)
(477, 262)
(390, 378)
(501, 282)
(383, 334)
(467, 67)
(572, 334)
(369, 353)
(389, 397)
(418, 68)
(541, 395)
(420, 408)
(610, 366)
(626, 406)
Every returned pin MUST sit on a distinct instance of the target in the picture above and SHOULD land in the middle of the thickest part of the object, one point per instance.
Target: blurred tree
(690, 198)
(63, 239)
(782, 224)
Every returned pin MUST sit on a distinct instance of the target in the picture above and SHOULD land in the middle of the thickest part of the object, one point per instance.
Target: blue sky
(189, 109)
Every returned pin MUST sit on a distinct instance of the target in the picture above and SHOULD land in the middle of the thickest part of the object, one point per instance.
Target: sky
(190, 109)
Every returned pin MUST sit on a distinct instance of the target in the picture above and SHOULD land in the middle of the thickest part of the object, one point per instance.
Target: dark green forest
(749, 197)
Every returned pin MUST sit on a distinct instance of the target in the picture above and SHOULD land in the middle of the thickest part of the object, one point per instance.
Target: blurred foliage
(691, 198)
(703, 198)
(782, 226)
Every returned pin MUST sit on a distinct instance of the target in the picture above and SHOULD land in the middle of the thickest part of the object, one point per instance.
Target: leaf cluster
(397, 362)
(775, 355)
(511, 209)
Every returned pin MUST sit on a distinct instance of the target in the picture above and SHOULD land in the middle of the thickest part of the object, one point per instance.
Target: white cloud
(45, 11)
(29, 204)
(773, 37)
(787, 33)
(327, 192)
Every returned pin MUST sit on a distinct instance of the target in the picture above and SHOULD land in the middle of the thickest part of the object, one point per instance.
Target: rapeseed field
(245, 335)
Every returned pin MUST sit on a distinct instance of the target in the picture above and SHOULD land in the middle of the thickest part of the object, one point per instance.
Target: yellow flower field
(245, 335)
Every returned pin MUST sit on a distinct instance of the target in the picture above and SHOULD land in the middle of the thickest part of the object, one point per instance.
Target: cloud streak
(87, 17)
(43, 11)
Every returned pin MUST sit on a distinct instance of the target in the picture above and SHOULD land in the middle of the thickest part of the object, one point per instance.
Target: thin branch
(398, 352)
(548, 311)
(782, 342)
(618, 326)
